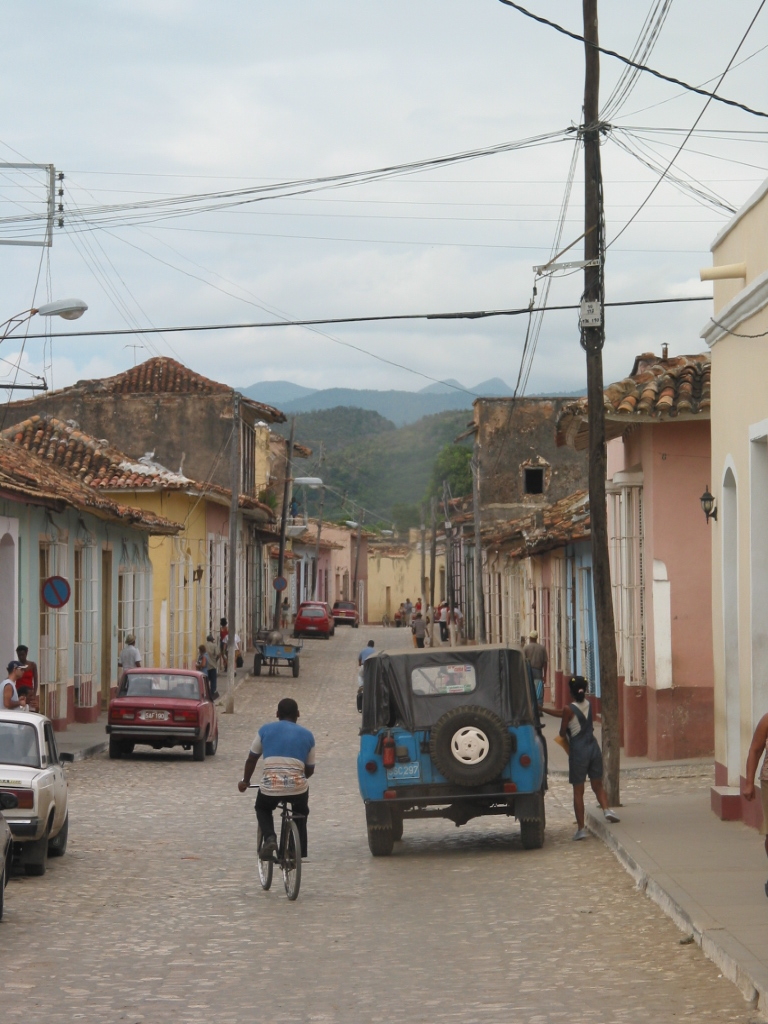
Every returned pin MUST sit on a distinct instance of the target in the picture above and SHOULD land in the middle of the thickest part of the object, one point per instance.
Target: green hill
(370, 460)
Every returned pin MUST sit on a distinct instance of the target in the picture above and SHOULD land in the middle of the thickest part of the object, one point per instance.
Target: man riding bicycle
(289, 761)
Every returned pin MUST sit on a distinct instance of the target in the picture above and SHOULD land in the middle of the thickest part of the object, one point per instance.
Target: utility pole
(357, 562)
(317, 546)
(423, 556)
(479, 601)
(234, 483)
(284, 522)
(449, 563)
(592, 340)
(432, 569)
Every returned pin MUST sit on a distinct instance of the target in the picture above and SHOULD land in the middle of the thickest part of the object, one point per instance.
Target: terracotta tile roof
(657, 390)
(564, 522)
(163, 376)
(99, 465)
(28, 477)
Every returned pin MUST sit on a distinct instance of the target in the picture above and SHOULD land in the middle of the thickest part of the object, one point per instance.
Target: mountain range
(401, 407)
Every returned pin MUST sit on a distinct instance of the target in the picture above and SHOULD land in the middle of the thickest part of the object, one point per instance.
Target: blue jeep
(450, 734)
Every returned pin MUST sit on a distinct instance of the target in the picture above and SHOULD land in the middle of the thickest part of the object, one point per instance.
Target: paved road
(155, 913)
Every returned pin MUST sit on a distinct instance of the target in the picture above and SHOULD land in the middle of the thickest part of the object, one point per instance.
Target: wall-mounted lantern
(197, 575)
(708, 504)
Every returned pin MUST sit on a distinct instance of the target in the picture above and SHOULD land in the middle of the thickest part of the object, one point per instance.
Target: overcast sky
(138, 99)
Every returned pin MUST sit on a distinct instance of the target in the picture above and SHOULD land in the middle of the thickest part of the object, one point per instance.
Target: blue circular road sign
(56, 592)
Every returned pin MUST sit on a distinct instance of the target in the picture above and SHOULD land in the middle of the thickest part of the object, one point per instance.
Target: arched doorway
(731, 626)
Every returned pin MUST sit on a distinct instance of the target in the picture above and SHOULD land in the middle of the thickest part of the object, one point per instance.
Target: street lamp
(69, 309)
(708, 504)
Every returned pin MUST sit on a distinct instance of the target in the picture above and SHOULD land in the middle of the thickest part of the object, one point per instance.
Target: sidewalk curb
(86, 752)
(718, 945)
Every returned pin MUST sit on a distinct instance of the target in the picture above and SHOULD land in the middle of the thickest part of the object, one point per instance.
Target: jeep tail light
(525, 760)
(388, 752)
(371, 766)
(25, 797)
(510, 787)
(390, 794)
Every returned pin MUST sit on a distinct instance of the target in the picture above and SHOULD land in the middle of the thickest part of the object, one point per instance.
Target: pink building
(657, 422)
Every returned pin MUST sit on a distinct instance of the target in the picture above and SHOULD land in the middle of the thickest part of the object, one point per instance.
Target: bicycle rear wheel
(265, 866)
(292, 861)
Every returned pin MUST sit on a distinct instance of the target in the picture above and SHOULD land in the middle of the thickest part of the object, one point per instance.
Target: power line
(632, 63)
(477, 314)
(691, 129)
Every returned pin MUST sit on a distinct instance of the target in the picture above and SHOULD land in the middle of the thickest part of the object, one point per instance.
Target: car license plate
(154, 716)
(405, 771)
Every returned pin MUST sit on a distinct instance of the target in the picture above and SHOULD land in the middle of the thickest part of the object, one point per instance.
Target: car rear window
(312, 613)
(18, 744)
(344, 606)
(160, 685)
(432, 680)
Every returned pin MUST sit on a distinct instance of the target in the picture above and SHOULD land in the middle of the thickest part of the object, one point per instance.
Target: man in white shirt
(11, 699)
(130, 656)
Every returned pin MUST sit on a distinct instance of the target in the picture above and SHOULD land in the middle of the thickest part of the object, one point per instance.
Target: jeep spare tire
(470, 745)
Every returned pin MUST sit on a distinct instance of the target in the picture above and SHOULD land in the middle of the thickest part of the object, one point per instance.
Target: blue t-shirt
(286, 747)
(366, 653)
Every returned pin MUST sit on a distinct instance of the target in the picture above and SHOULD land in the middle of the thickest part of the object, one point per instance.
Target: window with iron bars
(180, 636)
(54, 622)
(85, 611)
(134, 600)
(628, 581)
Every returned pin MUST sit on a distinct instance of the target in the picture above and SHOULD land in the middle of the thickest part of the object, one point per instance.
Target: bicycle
(288, 855)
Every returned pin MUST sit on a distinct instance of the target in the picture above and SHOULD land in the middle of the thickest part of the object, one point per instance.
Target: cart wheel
(257, 664)
(295, 667)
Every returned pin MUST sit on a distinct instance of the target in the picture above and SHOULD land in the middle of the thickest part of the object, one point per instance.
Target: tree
(452, 464)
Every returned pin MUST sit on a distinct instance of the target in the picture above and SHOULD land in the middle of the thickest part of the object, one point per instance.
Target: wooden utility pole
(234, 483)
(422, 588)
(432, 570)
(449, 564)
(284, 522)
(592, 340)
(317, 546)
(479, 600)
(357, 564)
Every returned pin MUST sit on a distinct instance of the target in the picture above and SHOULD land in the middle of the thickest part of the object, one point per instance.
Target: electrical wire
(649, 34)
(693, 127)
(626, 60)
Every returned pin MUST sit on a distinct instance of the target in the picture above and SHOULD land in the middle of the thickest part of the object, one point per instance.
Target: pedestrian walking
(759, 748)
(443, 621)
(536, 656)
(130, 656)
(408, 609)
(458, 622)
(419, 630)
(223, 641)
(203, 661)
(213, 665)
(585, 759)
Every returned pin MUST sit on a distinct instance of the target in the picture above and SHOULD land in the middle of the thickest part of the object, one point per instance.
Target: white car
(31, 770)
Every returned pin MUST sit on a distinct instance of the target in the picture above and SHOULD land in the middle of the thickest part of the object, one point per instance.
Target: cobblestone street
(156, 914)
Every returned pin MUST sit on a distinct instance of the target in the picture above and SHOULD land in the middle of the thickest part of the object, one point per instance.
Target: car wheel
(213, 745)
(381, 841)
(128, 746)
(39, 853)
(532, 834)
(355, 625)
(57, 846)
(198, 750)
(470, 745)
(115, 748)
(295, 668)
(257, 664)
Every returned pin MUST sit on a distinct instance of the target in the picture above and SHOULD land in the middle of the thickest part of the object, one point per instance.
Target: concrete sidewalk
(707, 875)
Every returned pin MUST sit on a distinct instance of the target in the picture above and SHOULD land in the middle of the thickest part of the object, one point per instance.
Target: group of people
(213, 656)
(20, 689)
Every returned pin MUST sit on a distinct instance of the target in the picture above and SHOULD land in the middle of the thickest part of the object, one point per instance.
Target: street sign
(279, 582)
(56, 592)
(590, 314)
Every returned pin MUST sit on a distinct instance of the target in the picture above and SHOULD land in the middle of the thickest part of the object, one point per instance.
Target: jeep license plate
(405, 771)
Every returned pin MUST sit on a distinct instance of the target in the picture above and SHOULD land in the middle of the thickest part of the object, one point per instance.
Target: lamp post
(313, 482)
(69, 309)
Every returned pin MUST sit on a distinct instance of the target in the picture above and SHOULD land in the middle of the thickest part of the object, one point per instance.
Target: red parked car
(345, 613)
(163, 707)
(314, 619)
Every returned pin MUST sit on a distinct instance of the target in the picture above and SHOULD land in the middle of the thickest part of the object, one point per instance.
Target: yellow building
(738, 337)
(394, 574)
